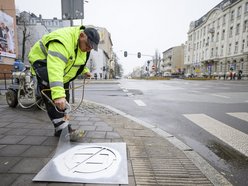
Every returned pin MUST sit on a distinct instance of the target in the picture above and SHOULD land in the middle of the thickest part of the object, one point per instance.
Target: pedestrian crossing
(240, 115)
(233, 137)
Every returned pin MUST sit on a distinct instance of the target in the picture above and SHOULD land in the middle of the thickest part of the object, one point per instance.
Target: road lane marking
(217, 95)
(233, 137)
(140, 103)
(194, 91)
(240, 115)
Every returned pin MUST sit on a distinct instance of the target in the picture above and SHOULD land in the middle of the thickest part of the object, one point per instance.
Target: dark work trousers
(56, 117)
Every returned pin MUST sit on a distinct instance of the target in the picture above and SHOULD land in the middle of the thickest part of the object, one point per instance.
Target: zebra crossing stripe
(240, 115)
(233, 137)
(140, 103)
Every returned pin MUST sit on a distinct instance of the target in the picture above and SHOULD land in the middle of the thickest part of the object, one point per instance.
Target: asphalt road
(209, 116)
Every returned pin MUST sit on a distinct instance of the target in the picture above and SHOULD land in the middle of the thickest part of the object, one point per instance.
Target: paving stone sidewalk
(27, 144)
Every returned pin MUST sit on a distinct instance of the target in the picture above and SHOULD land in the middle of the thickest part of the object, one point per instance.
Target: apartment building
(173, 60)
(218, 42)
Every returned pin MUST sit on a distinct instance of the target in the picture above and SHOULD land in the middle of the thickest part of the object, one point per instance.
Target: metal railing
(5, 76)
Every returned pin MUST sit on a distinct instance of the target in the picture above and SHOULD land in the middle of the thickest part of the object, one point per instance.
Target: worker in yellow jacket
(57, 59)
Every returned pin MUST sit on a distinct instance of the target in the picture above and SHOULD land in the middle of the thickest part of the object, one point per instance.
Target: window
(216, 52)
(245, 28)
(212, 38)
(229, 48)
(224, 20)
(232, 16)
(218, 23)
(212, 52)
(239, 12)
(190, 38)
(237, 29)
(222, 50)
(231, 31)
(236, 47)
(223, 35)
(243, 46)
(217, 36)
(246, 7)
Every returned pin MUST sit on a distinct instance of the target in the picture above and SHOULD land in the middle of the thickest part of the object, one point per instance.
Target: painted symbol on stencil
(89, 160)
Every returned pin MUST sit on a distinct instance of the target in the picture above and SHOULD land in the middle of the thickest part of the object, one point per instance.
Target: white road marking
(217, 95)
(240, 115)
(233, 137)
(194, 91)
(129, 94)
(140, 103)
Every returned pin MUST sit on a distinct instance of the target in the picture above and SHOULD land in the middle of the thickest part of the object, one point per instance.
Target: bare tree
(23, 21)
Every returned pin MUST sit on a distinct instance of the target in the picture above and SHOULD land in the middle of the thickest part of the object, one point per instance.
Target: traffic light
(139, 55)
(125, 53)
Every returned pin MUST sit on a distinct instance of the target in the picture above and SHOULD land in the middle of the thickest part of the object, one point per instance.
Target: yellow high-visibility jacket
(63, 57)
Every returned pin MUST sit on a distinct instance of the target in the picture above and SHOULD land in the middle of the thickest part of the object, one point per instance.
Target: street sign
(72, 9)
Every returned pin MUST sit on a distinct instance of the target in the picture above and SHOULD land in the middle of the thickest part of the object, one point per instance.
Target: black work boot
(75, 134)
(57, 133)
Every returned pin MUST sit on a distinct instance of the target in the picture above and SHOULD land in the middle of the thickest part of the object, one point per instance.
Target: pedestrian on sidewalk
(56, 60)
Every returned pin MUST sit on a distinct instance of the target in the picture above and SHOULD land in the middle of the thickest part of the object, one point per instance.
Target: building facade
(100, 62)
(30, 29)
(173, 60)
(218, 42)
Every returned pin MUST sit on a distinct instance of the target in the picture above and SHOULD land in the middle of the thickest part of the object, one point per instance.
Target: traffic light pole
(72, 9)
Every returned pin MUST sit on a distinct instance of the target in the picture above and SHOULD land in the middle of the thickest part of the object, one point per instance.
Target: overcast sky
(135, 25)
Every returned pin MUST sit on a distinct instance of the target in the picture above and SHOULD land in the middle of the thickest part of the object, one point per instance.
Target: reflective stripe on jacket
(63, 57)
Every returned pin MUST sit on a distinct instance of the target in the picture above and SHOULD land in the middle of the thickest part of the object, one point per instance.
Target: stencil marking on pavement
(88, 163)
(233, 137)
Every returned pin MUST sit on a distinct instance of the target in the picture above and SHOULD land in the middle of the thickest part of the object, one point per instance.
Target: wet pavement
(154, 157)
